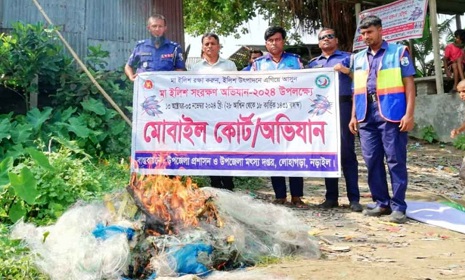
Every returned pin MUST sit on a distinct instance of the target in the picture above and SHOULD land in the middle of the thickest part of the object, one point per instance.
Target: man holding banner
(213, 62)
(332, 57)
(384, 103)
(277, 59)
(156, 53)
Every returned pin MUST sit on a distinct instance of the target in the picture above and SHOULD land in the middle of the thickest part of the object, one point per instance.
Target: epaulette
(140, 42)
(174, 44)
(293, 54)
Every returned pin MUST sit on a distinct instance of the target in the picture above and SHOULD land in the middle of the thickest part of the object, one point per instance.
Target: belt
(345, 98)
(372, 98)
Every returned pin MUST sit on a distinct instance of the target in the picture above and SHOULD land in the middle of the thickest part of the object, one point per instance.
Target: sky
(256, 26)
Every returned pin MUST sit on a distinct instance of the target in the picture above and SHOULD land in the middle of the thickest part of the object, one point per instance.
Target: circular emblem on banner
(148, 84)
(322, 81)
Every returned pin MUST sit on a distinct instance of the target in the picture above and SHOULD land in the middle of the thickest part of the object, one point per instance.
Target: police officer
(277, 59)
(156, 53)
(340, 61)
(254, 54)
(384, 103)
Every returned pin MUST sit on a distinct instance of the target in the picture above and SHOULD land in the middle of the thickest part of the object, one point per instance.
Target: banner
(270, 123)
(402, 20)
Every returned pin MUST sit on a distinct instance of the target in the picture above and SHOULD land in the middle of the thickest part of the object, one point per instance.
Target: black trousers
(222, 182)
(296, 186)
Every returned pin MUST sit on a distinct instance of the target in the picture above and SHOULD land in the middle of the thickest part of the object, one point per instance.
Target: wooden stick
(84, 67)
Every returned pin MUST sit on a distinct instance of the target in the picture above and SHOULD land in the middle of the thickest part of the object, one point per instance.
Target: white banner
(402, 20)
(271, 123)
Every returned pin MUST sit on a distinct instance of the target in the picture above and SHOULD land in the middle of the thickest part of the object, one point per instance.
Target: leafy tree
(423, 47)
(30, 57)
(226, 17)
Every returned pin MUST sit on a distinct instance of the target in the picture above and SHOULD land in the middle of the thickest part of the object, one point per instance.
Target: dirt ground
(359, 247)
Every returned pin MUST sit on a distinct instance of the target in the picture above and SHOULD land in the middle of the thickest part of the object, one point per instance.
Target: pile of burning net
(163, 227)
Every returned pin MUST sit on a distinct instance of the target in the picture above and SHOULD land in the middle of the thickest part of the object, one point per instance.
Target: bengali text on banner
(402, 20)
(270, 123)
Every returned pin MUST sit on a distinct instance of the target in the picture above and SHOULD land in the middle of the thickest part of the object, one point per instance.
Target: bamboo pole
(84, 67)
(435, 35)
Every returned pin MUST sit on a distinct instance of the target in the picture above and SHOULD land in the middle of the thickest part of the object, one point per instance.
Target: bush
(459, 142)
(15, 262)
(40, 186)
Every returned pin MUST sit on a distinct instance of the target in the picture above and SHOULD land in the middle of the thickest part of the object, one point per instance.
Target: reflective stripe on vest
(389, 85)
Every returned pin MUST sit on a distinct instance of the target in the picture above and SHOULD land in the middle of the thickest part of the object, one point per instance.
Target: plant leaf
(94, 105)
(15, 151)
(37, 118)
(79, 127)
(21, 133)
(25, 185)
(118, 128)
(5, 129)
(17, 211)
(5, 165)
(40, 158)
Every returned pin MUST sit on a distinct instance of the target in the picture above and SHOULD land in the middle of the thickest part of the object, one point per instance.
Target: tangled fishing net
(175, 231)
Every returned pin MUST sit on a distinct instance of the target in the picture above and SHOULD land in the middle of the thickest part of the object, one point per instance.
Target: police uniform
(266, 63)
(380, 104)
(348, 157)
(288, 61)
(146, 57)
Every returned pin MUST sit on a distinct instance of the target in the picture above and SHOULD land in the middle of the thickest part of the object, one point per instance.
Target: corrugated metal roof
(117, 26)
(173, 12)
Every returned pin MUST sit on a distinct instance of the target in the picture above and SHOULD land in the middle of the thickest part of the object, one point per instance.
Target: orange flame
(172, 203)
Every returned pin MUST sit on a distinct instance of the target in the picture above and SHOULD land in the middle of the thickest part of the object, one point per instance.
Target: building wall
(173, 12)
(443, 112)
(117, 25)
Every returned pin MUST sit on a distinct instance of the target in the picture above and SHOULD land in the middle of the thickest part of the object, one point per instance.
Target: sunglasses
(329, 36)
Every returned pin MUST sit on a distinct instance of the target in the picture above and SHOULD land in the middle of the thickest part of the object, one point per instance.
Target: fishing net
(69, 250)
(92, 241)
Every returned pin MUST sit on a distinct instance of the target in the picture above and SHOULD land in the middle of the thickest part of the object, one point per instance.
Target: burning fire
(169, 204)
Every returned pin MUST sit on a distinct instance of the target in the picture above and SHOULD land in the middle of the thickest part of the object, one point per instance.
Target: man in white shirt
(211, 60)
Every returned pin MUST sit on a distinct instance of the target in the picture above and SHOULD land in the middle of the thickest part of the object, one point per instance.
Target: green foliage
(80, 113)
(30, 56)
(209, 15)
(96, 129)
(15, 262)
(459, 142)
(51, 158)
(423, 47)
(42, 185)
(200, 181)
(249, 183)
(429, 134)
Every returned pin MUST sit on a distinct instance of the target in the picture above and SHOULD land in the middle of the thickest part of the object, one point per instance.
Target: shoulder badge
(293, 54)
(404, 61)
